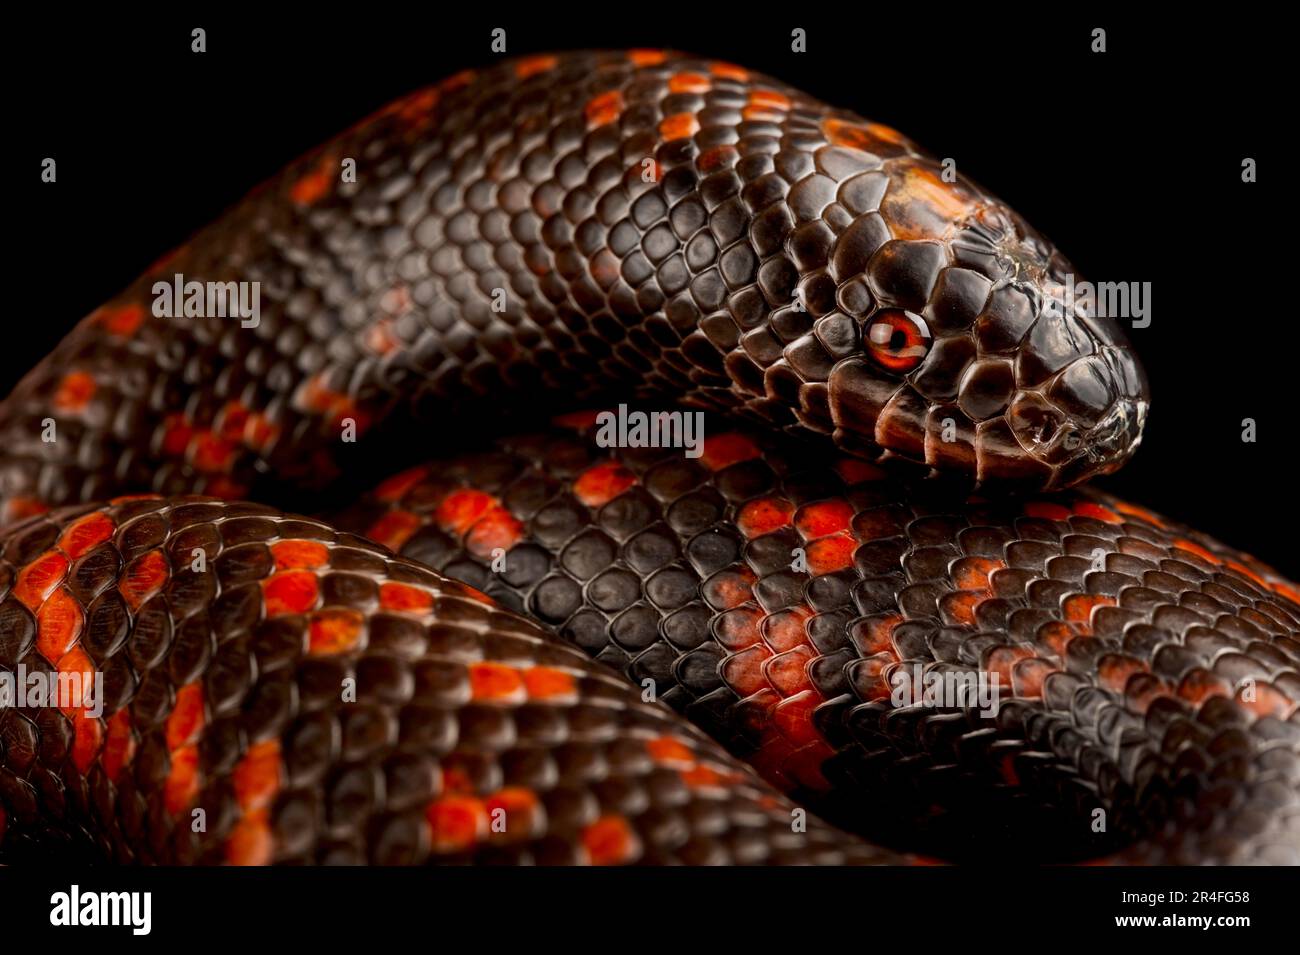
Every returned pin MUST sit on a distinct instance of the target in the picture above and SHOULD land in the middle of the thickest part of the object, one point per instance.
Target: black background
(1129, 161)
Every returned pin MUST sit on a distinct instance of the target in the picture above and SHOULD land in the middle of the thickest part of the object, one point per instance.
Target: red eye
(898, 340)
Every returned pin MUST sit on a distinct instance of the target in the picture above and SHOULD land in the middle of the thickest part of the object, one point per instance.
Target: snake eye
(898, 340)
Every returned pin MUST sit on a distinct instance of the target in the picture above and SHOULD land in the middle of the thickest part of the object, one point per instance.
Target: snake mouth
(1072, 450)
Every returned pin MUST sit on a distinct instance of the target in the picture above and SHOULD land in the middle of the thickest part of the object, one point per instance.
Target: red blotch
(604, 109)
(743, 671)
(739, 628)
(1047, 511)
(1078, 608)
(1268, 701)
(293, 591)
(679, 126)
(312, 186)
(177, 434)
(788, 672)
(74, 391)
(37, 580)
(729, 71)
(823, 519)
(610, 840)
(58, 625)
(394, 529)
(76, 661)
(187, 718)
(974, 573)
(121, 321)
(1114, 671)
(498, 529)
(395, 487)
(831, 554)
(765, 515)
(292, 554)
(460, 509)
(532, 65)
(729, 588)
(1195, 548)
(670, 752)
(1199, 685)
(724, 450)
(646, 57)
(496, 683)
(231, 422)
(548, 683)
(182, 785)
(706, 777)
(1002, 661)
(212, 454)
(689, 83)
(86, 533)
(251, 841)
(521, 808)
(719, 157)
(120, 746)
(602, 483)
(143, 578)
(1097, 512)
(403, 598)
(17, 508)
(785, 629)
(334, 630)
(256, 778)
(456, 823)
(958, 607)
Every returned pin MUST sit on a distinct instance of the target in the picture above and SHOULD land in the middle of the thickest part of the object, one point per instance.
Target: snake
(868, 612)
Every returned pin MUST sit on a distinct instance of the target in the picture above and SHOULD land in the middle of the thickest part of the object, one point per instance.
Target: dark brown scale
(287, 768)
(1146, 670)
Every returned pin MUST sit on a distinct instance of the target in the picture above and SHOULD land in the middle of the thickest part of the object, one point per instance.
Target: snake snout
(1086, 420)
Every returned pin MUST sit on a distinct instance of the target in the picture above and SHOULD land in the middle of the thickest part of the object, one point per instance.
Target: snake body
(649, 225)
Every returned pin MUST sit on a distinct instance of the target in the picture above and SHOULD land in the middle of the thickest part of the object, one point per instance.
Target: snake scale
(901, 402)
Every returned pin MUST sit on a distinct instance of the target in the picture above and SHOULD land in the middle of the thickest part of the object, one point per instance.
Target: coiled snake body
(672, 230)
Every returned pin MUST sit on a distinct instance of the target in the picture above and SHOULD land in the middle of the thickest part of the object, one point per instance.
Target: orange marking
(769, 98)
(765, 515)
(86, 533)
(256, 778)
(312, 186)
(1078, 608)
(74, 392)
(212, 454)
(177, 434)
(456, 823)
(1114, 671)
(233, 418)
(1057, 635)
(121, 321)
(679, 126)
(18, 508)
(646, 57)
(577, 420)
(38, 579)
(58, 625)
(823, 519)
(395, 487)
(1047, 511)
(120, 746)
(532, 65)
(706, 777)
(604, 109)
(548, 683)
(793, 717)
(1199, 685)
(294, 591)
(786, 629)
(517, 803)
(394, 529)
(497, 529)
(182, 785)
(729, 71)
(1132, 510)
(920, 205)
(788, 672)
(689, 83)
(293, 554)
(143, 578)
(250, 842)
(334, 630)
(716, 158)
(1097, 512)
(88, 738)
(260, 431)
(671, 752)
(730, 588)
(187, 718)
(743, 671)
(610, 840)
(460, 509)
(602, 483)
(959, 606)
(403, 598)
(457, 80)
(76, 662)
(496, 683)
(1198, 550)
(724, 450)
(974, 573)
(1268, 701)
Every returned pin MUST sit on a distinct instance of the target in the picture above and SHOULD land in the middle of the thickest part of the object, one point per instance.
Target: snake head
(954, 337)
